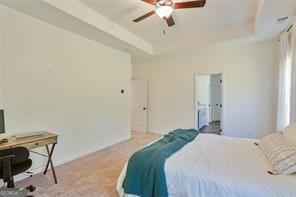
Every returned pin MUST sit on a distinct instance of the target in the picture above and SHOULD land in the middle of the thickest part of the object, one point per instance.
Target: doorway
(208, 103)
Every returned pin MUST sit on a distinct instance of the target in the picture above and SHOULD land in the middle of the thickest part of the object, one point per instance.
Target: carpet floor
(94, 175)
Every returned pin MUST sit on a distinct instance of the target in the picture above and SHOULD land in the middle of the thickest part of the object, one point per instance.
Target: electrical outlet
(55, 71)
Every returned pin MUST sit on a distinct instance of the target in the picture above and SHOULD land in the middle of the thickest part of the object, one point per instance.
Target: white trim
(260, 6)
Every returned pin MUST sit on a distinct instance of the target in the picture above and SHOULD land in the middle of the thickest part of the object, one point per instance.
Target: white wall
(249, 73)
(58, 81)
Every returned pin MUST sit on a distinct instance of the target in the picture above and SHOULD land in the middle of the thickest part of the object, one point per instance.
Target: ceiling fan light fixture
(164, 11)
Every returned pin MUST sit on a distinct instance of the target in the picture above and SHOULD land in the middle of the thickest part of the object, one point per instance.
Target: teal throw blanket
(145, 175)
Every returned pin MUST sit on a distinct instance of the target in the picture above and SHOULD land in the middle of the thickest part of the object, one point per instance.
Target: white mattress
(215, 165)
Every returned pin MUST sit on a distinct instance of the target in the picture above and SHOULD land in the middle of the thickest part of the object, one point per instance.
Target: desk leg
(50, 161)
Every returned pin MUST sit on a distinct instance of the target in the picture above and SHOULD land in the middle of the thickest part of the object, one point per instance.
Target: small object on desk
(3, 141)
(31, 134)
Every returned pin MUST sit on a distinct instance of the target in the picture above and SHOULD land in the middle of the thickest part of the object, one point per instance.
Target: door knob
(144, 108)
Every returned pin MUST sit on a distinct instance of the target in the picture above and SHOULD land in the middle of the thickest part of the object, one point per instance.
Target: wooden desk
(34, 142)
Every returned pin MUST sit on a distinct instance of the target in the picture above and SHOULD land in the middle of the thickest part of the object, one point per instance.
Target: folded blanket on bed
(145, 174)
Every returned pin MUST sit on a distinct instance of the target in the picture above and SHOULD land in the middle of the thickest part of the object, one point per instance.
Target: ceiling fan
(165, 8)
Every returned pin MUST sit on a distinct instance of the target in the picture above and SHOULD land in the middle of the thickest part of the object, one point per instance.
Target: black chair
(14, 161)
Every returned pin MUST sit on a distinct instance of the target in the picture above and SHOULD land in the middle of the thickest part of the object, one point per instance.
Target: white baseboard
(159, 132)
(71, 158)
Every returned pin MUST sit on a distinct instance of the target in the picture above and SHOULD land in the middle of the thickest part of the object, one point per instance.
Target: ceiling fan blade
(190, 4)
(152, 2)
(170, 21)
(144, 16)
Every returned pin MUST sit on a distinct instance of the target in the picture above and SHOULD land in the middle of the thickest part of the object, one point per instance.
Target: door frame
(222, 123)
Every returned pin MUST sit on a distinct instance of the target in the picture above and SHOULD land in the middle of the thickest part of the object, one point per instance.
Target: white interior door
(139, 105)
(216, 97)
(202, 111)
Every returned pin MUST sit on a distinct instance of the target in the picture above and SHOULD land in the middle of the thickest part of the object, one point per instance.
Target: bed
(213, 165)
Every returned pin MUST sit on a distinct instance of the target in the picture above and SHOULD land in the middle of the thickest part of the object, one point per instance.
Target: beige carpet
(93, 175)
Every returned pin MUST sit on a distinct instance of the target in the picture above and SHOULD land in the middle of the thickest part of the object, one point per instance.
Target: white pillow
(291, 170)
(290, 133)
(280, 153)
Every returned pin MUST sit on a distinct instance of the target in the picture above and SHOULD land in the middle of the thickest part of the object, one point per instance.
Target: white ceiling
(110, 22)
(216, 15)
(270, 12)
(218, 21)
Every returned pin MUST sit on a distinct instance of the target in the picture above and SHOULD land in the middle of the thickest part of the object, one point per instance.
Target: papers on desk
(31, 134)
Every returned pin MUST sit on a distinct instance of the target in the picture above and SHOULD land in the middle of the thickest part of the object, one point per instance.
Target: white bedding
(215, 165)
